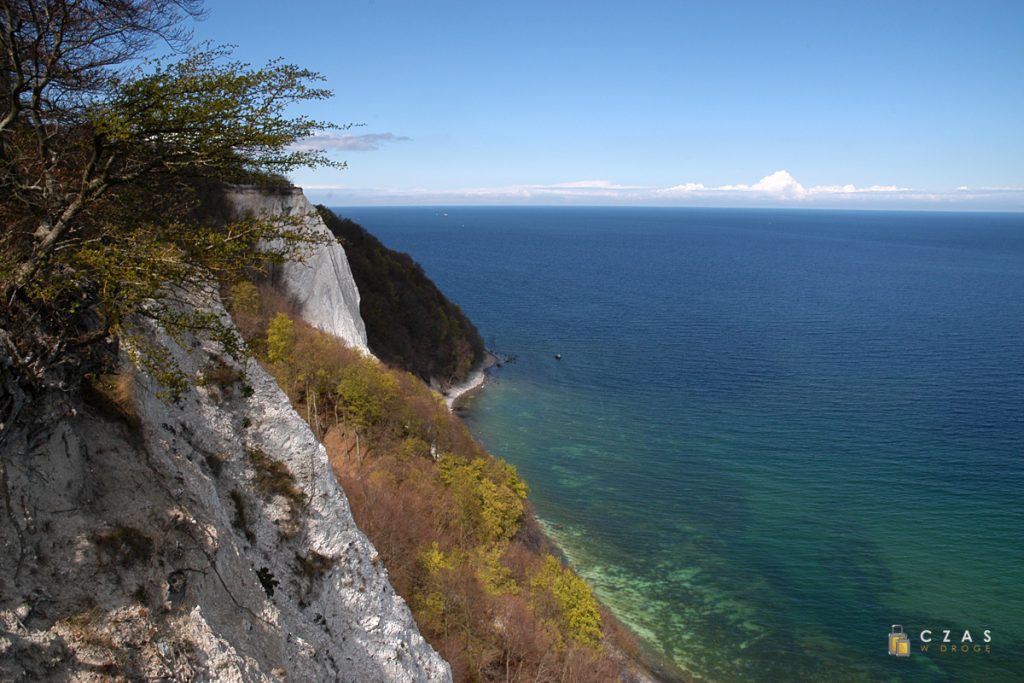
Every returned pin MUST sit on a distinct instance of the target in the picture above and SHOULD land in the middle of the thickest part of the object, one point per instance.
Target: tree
(280, 339)
(61, 60)
(366, 393)
(104, 162)
(559, 590)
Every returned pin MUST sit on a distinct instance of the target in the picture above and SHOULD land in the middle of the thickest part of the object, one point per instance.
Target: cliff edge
(199, 539)
(322, 286)
(410, 323)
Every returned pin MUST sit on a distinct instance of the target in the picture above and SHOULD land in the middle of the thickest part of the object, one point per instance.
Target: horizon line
(673, 206)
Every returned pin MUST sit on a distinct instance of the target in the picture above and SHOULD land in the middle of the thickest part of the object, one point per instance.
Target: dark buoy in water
(558, 356)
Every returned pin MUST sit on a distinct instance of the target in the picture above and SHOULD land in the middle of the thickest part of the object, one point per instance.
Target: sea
(769, 439)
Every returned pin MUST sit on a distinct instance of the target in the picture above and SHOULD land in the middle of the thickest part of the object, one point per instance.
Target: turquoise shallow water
(772, 434)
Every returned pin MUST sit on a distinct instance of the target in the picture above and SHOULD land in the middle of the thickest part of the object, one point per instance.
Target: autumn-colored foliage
(451, 522)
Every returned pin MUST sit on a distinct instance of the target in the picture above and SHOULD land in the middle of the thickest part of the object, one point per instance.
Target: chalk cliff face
(204, 539)
(323, 286)
(201, 540)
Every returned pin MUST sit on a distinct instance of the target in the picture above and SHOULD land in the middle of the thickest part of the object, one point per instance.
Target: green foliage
(103, 167)
(158, 362)
(413, 447)
(501, 510)
(576, 608)
(317, 366)
(489, 500)
(430, 599)
(244, 298)
(496, 577)
(366, 392)
(280, 339)
(409, 321)
(219, 117)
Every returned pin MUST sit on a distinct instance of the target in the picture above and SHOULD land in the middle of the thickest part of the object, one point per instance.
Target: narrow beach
(477, 378)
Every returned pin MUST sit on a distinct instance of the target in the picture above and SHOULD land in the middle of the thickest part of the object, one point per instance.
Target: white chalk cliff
(322, 286)
(202, 540)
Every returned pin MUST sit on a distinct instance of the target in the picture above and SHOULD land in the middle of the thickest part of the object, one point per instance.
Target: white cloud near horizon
(346, 142)
(780, 185)
(776, 189)
(589, 185)
(998, 188)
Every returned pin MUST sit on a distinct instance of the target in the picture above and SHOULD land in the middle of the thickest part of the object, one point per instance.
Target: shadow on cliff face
(89, 537)
(103, 553)
(29, 659)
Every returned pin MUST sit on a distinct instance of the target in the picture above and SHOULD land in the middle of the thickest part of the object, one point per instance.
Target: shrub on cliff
(409, 322)
(366, 393)
(101, 162)
(489, 496)
(568, 600)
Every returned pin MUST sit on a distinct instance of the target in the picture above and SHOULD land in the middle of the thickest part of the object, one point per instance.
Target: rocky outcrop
(205, 539)
(322, 286)
(410, 323)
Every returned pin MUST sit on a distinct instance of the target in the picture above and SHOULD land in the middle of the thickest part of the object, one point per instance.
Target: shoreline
(653, 666)
(650, 666)
(477, 379)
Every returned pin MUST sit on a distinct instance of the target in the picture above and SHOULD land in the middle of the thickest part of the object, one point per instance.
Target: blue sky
(820, 104)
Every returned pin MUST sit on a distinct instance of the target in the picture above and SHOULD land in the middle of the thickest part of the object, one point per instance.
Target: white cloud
(992, 189)
(852, 189)
(776, 189)
(370, 142)
(685, 188)
(589, 185)
(778, 185)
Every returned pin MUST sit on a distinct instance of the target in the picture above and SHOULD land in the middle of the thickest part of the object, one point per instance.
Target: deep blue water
(772, 434)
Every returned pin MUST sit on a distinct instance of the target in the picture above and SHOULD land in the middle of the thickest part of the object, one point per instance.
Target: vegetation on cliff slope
(101, 167)
(101, 160)
(450, 522)
(409, 321)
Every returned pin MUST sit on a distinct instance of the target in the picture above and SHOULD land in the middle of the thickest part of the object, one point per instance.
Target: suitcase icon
(899, 643)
